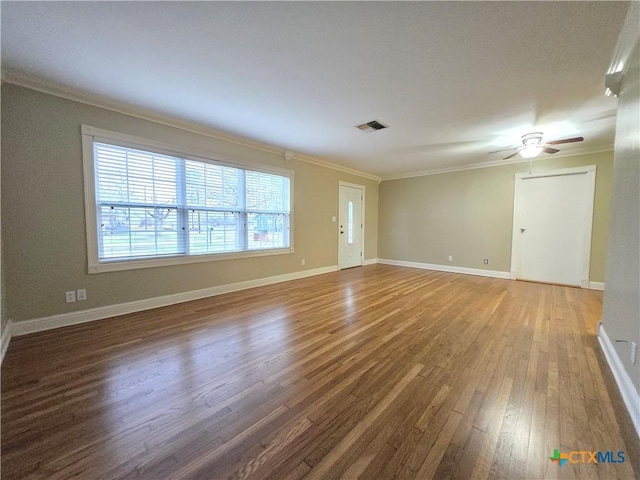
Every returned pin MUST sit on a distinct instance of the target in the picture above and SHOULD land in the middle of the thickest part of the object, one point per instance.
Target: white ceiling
(454, 80)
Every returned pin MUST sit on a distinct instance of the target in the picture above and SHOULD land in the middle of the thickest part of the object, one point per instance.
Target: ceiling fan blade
(566, 140)
(550, 150)
(504, 150)
(511, 156)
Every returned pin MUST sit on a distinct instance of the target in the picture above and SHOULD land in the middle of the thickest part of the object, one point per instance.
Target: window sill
(119, 265)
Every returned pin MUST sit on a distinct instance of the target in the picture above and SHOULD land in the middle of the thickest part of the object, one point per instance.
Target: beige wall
(43, 228)
(469, 215)
(621, 310)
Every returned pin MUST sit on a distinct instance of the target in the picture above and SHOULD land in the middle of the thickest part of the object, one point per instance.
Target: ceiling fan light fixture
(532, 145)
(530, 151)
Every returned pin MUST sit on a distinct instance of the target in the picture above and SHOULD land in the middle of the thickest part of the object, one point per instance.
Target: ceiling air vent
(371, 126)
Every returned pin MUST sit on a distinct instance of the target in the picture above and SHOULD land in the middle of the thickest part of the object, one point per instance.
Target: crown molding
(335, 166)
(627, 40)
(82, 96)
(88, 98)
(494, 163)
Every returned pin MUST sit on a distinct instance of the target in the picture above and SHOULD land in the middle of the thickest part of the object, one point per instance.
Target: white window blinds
(152, 205)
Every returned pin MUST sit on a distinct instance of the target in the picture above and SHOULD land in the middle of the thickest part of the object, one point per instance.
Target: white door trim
(363, 189)
(590, 171)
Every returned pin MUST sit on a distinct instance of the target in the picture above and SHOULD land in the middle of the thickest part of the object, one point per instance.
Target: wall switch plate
(634, 351)
(303, 262)
(451, 258)
(70, 296)
(486, 261)
(81, 294)
(333, 219)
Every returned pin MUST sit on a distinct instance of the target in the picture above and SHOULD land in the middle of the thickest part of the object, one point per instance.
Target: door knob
(522, 230)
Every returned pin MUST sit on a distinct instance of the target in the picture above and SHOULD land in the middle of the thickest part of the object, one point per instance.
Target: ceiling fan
(532, 145)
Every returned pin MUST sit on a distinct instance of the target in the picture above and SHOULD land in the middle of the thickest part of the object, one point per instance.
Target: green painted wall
(43, 224)
(469, 215)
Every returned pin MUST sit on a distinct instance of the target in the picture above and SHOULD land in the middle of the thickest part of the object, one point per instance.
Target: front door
(350, 232)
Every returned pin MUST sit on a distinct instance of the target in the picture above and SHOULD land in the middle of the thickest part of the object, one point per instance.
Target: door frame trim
(363, 189)
(590, 171)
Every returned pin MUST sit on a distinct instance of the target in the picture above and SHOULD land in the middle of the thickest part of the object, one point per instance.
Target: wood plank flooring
(378, 372)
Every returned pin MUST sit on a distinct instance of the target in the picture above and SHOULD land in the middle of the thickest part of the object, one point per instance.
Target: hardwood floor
(375, 373)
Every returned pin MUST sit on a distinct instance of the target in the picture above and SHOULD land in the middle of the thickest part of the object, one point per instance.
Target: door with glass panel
(350, 226)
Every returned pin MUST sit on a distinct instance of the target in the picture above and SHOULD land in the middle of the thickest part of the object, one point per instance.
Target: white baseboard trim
(370, 261)
(5, 339)
(73, 318)
(627, 390)
(585, 283)
(446, 268)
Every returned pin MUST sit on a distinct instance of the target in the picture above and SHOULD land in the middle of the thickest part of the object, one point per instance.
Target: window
(350, 223)
(154, 206)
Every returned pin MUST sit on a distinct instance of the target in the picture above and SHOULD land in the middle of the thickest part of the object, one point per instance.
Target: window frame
(95, 265)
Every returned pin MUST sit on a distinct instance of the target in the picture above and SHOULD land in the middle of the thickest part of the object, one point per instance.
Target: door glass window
(350, 222)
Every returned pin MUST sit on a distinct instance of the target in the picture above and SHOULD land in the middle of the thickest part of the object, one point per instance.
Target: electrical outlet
(70, 296)
(81, 295)
(451, 258)
(486, 261)
(634, 351)
(303, 262)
